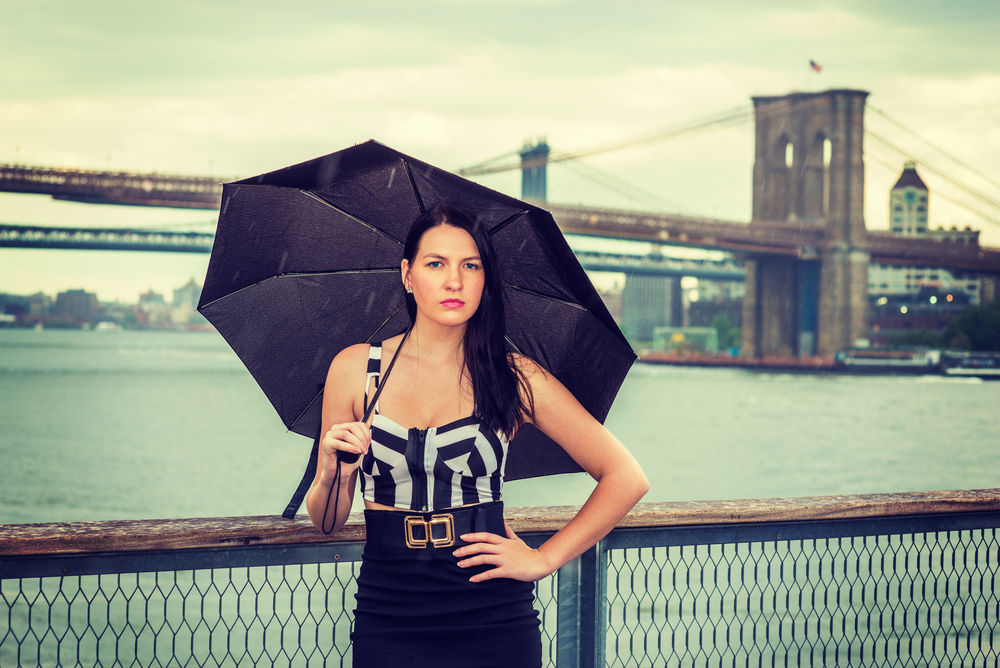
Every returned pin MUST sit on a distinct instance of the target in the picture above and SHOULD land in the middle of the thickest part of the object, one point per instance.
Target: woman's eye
(471, 265)
(434, 263)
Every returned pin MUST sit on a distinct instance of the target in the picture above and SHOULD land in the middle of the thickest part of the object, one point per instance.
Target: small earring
(409, 291)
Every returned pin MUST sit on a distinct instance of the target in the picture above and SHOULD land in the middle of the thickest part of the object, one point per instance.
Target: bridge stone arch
(779, 172)
(815, 178)
(815, 302)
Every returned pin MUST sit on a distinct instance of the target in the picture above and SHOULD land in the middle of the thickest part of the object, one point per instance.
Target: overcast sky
(234, 89)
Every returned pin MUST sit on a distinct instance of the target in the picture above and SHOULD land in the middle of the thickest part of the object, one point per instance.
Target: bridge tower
(534, 168)
(809, 172)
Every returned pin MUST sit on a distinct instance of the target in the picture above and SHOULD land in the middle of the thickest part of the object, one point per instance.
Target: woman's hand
(511, 557)
(349, 438)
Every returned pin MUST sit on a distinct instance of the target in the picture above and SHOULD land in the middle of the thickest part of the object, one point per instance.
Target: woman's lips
(453, 303)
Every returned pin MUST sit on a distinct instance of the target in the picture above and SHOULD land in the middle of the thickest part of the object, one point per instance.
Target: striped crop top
(456, 464)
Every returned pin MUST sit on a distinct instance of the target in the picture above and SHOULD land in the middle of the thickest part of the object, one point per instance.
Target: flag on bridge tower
(815, 66)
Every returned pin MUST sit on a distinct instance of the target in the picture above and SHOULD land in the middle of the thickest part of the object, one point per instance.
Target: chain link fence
(286, 615)
(878, 600)
(907, 591)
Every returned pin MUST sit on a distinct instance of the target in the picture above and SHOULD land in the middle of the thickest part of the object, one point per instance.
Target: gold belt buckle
(413, 521)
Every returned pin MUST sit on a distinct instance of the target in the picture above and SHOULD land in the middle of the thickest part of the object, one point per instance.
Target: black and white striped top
(456, 464)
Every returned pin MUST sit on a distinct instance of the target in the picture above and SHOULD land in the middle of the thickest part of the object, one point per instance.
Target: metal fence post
(568, 615)
(593, 606)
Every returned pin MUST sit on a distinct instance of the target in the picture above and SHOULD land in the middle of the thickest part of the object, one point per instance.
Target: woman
(444, 581)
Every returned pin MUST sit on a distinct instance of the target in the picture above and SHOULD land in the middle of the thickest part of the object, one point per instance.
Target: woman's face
(446, 275)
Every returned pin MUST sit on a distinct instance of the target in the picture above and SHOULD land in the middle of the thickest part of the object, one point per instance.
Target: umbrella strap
(304, 484)
(381, 384)
(310, 473)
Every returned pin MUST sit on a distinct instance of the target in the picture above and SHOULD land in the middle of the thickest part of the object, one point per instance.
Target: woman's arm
(620, 485)
(341, 431)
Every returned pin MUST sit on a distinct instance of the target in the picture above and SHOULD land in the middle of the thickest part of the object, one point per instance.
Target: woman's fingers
(352, 437)
(510, 557)
(478, 539)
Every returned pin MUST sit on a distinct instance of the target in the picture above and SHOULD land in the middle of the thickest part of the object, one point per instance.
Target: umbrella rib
(544, 296)
(386, 270)
(368, 340)
(304, 410)
(378, 270)
(504, 223)
(336, 208)
(413, 185)
(384, 322)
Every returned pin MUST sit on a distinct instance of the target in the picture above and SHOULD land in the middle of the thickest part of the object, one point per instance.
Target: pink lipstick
(453, 303)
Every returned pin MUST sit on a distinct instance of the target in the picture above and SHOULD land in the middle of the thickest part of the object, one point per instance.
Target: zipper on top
(416, 452)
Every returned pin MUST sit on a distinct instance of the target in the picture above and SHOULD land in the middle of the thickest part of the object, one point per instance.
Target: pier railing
(894, 579)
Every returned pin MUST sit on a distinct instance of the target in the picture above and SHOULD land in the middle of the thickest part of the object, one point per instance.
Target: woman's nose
(454, 279)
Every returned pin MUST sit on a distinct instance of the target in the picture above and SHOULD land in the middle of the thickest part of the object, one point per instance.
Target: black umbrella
(306, 262)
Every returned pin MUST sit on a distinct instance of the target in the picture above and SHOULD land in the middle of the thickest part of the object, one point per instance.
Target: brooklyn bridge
(804, 255)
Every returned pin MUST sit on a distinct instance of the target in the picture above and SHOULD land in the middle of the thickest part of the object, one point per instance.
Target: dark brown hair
(502, 395)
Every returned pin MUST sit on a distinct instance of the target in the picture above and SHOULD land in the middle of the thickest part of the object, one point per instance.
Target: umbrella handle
(351, 457)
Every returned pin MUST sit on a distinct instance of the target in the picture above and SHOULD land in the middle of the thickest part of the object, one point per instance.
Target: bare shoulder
(531, 369)
(535, 376)
(349, 360)
(344, 389)
(390, 345)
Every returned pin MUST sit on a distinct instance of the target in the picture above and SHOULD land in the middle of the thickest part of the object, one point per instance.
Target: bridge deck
(804, 240)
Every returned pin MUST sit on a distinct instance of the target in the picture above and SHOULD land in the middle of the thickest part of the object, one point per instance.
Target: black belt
(441, 529)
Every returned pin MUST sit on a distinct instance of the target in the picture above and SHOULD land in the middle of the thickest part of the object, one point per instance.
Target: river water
(142, 425)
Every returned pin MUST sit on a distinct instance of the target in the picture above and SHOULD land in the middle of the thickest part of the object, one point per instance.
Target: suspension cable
(933, 146)
(700, 125)
(620, 186)
(895, 170)
(931, 168)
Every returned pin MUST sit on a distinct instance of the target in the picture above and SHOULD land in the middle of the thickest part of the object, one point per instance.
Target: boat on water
(107, 326)
(973, 365)
(890, 361)
(944, 362)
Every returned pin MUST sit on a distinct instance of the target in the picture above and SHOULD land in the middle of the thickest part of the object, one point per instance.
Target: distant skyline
(201, 88)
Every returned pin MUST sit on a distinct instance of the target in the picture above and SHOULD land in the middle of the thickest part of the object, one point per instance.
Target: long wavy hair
(502, 395)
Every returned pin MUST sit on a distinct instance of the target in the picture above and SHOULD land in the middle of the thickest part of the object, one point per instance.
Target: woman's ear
(404, 273)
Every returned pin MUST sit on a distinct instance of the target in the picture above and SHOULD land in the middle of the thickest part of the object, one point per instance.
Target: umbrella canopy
(306, 262)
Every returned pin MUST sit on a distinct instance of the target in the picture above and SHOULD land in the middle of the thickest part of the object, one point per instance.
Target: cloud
(819, 23)
(195, 87)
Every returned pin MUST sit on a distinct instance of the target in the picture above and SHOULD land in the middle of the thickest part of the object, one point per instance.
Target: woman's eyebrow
(442, 257)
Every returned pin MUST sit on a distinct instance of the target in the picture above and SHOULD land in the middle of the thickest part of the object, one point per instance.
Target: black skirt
(416, 607)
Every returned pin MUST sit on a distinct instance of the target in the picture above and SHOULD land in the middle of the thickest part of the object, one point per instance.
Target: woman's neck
(437, 344)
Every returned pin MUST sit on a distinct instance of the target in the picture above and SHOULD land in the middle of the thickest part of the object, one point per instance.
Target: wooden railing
(840, 580)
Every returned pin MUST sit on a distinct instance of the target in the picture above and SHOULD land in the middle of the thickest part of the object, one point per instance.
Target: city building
(647, 302)
(188, 295)
(150, 301)
(909, 216)
(39, 305)
(76, 305)
(185, 302)
(153, 311)
(719, 291)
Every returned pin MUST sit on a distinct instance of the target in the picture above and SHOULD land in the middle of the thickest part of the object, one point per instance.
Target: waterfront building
(153, 311)
(76, 305)
(149, 301)
(646, 305)
(13, 305)
(39, 305)
(184, 305)
(188, 295)
(719, 291)
(909, 216)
